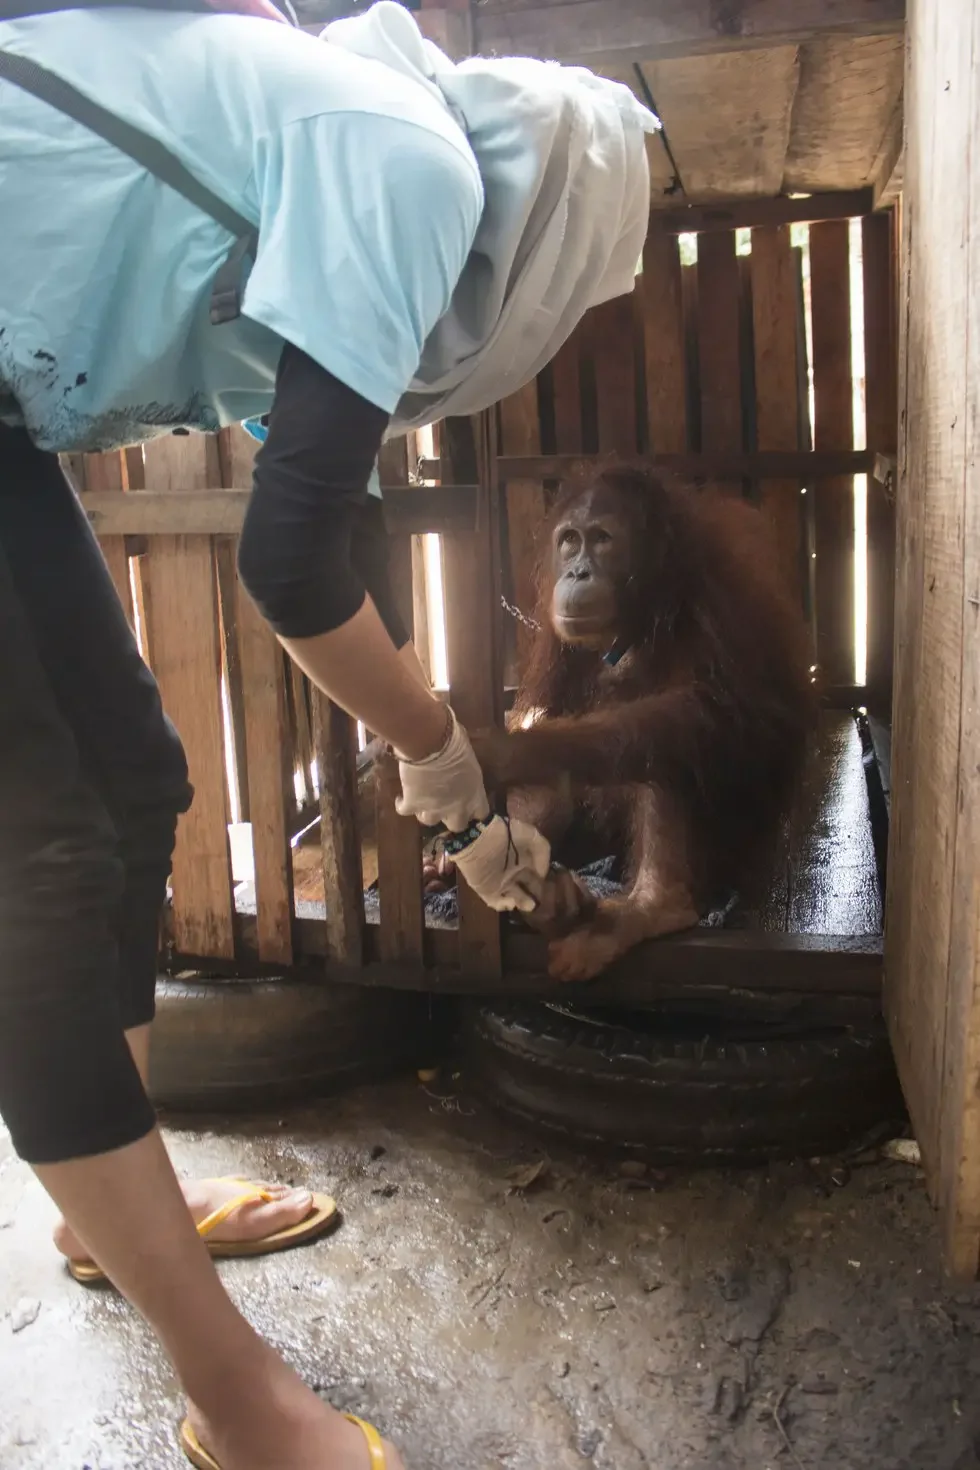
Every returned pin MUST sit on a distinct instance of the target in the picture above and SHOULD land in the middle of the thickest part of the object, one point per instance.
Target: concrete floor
(790, 1318)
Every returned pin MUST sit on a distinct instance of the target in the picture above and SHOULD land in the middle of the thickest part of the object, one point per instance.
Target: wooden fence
(706, 369)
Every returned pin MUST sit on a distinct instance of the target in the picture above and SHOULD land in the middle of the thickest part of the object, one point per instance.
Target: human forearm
(358, 667)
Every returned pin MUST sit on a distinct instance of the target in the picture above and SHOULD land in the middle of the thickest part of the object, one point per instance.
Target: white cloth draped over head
(563, 160)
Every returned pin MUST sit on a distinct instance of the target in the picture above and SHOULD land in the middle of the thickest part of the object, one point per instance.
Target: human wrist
(431, 734)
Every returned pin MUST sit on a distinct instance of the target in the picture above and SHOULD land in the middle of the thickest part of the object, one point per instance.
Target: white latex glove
(446, 788)
(507, 865)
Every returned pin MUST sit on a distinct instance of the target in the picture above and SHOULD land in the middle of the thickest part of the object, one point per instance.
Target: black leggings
(92, 779)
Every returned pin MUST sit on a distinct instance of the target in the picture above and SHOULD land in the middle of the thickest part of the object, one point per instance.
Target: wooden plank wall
(933, 922)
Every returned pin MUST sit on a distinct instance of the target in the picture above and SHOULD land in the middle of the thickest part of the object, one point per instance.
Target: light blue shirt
(366, 195)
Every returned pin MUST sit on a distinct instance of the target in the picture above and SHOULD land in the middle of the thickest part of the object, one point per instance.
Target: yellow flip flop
(201, 1460)
(323, 1215)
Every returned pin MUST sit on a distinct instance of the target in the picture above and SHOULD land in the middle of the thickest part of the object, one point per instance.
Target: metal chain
(521, 617)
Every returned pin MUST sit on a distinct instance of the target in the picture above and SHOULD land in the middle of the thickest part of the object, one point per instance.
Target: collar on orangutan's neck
(615, 654)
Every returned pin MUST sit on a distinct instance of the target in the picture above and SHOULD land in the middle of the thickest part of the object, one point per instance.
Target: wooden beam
(933, 918)
(761, 465)
(889, 166)
(616, 33)
(409, 510)
(757, 213)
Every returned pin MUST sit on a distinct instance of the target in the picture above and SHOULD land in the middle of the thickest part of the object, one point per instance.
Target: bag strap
(149, 153)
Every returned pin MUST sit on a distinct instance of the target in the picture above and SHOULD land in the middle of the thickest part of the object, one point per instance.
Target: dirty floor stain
(490, 1303)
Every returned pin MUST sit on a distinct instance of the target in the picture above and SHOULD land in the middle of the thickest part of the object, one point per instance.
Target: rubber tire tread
(714, 1101)
(232, 1045)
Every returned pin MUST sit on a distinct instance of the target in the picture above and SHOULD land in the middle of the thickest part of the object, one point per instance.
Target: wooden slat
(663, 344)
(343, 881)
(881, 405)
(615, 376)
(475, 676)
(833, 428)
(106, 474)
(399, 872)
(236, 455)
(197, 510)
(773, 267)
(183, 635)
(520, 433)
(393, 469)
(718, 344)
(269, 775)
(933, 919)
(566, 378)
(399, 839)
(737, 214)
(619, 32)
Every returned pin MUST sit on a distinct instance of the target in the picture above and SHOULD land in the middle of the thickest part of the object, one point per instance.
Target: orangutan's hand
(564, 904)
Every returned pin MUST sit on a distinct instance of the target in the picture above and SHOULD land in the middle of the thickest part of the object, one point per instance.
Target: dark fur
(712, 708)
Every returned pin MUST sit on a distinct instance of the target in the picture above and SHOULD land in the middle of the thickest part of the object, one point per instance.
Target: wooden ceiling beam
(752, 213)
(613, 33)
(890, 164)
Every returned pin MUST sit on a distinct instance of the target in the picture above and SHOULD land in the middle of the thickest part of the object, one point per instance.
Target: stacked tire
(237, 1045)
(680, 1089)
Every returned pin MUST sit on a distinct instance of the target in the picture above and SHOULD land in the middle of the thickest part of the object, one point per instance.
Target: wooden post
(881, 403)
(830, 298)
(773, 267)
(932, 945)
(182, 610)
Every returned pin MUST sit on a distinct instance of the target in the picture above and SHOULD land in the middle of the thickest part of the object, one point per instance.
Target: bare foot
(615, 928)
(288, 1428)
(583, 954)
(251, 1221)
